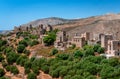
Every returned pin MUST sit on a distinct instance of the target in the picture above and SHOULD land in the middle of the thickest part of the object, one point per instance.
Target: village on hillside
(24, 47)
(59, 39)
(110, 43)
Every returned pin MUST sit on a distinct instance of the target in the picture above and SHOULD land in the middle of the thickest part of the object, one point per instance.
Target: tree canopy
(50, 38)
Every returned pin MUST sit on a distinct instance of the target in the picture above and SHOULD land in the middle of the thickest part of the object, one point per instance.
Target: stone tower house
(114, 47)
(61, 41)
(104, 40)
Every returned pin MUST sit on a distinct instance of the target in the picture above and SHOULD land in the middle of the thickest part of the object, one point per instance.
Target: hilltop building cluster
(40, 30)
(111, 45)
(63, 40)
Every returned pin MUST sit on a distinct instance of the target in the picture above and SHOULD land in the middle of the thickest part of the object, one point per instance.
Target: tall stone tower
(104, 40)
(61, 36)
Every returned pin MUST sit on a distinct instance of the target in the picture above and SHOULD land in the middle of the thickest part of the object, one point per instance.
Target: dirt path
(44, 76)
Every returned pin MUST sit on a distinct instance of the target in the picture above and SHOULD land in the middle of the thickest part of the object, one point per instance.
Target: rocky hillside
(109, 23)
(51, 21)
(4, 31)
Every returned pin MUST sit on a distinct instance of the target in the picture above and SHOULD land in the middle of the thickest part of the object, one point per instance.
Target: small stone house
(113, 47)
(78, 41)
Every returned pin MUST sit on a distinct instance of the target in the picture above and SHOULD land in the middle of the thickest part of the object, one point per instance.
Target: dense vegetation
(50, 38)
(80, 64)
(10, 56)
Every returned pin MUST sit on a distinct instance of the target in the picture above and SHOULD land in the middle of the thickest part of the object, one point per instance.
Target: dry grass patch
(45, 51)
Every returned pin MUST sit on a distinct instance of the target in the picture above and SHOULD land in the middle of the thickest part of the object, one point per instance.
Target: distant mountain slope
(109, 23)
(0, 31)
(4, 31)
(51, 21)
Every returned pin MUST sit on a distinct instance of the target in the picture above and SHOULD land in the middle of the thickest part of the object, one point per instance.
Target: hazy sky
(16, 12)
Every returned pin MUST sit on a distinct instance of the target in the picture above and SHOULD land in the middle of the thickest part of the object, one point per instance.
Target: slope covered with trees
(77, 63)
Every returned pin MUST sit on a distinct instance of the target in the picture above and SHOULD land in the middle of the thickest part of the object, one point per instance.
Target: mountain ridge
(95, 24)
(57, 20)
(4, 31)
(109, 23)
(50, 21)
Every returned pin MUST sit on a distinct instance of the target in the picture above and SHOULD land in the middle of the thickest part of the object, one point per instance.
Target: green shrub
(45, 69)
(88, 52)
(73, 46)
(33, 36)
(91, 77)
(24, 42)
(3, 42)
(27, 64)
(1, 57)
(2, 72)
(21, 60)
(77, 77)
(49, 40)
(27, 70)
(14, 70)
(35, 69)
(8, 67)
(54, 73)
(9, 49)
(27, 52)
(34, 42)
(20, 48)
(96, 47)
(31, 76)
(78, 54)
(67, 77)
(101, 50)
(2, 48)
(4, 64)
(4, 77)
(63, 56)
(32, 59)
(63, 71)
(53, 52)
(11, 57)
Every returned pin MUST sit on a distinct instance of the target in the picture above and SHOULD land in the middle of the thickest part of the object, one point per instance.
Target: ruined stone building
(78, 41)
(42, 30)
(95, 39)
(21, 29)
(113, 47)
(38, 30)
(91, 42)
(86, 35)
(61, 36)
(104, 40)
(61, 40)
(49, 28)
(41, 39)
